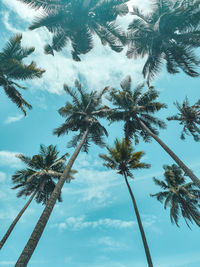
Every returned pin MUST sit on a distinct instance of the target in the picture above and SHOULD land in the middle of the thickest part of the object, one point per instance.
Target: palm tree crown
(181, 197)
(135, 109)
(132, 105)
(169, 33)
(41, 171)
(78, 20)
(189, 117)
(123, 158)
(82, 114)
(13, 68)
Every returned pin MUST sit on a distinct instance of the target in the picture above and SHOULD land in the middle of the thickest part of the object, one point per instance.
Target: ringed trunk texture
(39, 228)
(187, 171)
(3, 240)
(146, 248)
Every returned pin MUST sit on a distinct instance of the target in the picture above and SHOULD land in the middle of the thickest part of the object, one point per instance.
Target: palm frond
(16, 98)
(47, 5)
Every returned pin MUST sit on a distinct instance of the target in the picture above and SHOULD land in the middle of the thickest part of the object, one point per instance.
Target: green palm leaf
(13, 67)
(169, 34)
(95, 17)
(182, 198)
(189, 118)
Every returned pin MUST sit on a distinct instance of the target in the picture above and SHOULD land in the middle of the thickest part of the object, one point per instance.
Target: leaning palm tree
(136, 109)
(76, 21)
(189, 117)
(37, 179)
(13, 68)
(169, 33)
(182, 198)
(81, 116)
(123, 159)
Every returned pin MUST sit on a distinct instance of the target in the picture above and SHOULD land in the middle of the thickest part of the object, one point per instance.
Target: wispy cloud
(23, 11)
(110, 244)
(15, 118)
(93, 186)
(99, 68)
(79, 223)
(8, 158)
(8, 214)
(143, 5)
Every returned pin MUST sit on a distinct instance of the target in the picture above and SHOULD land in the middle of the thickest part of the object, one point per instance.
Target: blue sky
(95, 225)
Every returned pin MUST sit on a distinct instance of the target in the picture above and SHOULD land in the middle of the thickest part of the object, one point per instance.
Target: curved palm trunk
(187, 171)
(3, 240)
(146, 248)
(39, 228)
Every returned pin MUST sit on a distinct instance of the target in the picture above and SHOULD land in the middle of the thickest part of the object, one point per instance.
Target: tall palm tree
(181, 197)
(13, 68)
(169, 33)
(136, 109)
(81, 116)
(123, 159)
(78, 20)
(37, 179)
(189, 117)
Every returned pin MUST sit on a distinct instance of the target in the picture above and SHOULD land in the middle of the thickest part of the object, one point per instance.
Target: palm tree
(37, 179)
(169, 33)
(135, 109)
(189, 117)
(77, 21)
(81, 116)
(181, 197)
(123, 159)
(13, 68)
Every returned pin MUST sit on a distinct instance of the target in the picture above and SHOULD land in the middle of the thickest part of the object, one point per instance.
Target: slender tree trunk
(39, 228)
(146, 248)
(3, 240)
(187, 171)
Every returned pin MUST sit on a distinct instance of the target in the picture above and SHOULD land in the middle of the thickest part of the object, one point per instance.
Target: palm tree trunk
(146, 248)
(39, 228)
(187, 171)
(3, 240)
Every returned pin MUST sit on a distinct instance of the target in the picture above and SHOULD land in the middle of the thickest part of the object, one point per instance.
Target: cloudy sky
(95, 224)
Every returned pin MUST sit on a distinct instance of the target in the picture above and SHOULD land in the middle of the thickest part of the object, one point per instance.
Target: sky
(95, 225)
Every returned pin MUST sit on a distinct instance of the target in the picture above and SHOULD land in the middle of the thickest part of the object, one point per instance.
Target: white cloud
(148, 220)
(110, 244)
(144, 5)
(22, 10)
(7, 24)
(100, 67)
(15, 118)
(92, 185)
(79, 223)
(8, 214)
(8, 158)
